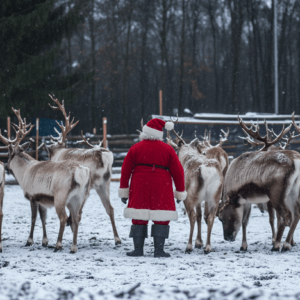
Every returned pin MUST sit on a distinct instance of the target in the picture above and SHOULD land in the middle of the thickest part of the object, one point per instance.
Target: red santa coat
(150, 193)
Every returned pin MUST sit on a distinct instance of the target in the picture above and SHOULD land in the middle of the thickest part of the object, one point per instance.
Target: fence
(191, 127)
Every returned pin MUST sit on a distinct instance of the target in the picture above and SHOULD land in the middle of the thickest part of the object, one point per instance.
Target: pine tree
(32, 61)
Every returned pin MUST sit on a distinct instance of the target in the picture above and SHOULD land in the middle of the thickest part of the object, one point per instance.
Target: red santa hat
(155, 127)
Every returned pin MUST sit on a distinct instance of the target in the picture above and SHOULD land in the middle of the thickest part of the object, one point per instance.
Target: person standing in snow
(151, 165)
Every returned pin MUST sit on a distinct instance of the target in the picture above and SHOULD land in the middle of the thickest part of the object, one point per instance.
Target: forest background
(110, 58)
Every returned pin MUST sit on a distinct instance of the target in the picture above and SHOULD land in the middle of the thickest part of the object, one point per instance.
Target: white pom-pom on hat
(169, 125)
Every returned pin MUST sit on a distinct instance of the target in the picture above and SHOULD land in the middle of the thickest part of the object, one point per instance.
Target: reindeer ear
(25, 146)
(194, 143)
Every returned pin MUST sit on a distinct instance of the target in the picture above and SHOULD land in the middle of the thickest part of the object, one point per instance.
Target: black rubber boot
(138, 233)
(160, 233)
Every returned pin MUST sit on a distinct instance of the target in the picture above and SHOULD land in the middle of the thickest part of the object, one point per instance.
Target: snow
(100, 265)
(228, 119)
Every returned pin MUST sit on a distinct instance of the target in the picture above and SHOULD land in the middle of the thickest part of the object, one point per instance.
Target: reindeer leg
(62, 216)
(189, 206)
(75, 208)
(246, 215)
(103, 192)
(288, 241)
(271, 220)
(280, 230)
(1, 215)
(199, 242)
(43, 216)
(210, 215)
(34, 209)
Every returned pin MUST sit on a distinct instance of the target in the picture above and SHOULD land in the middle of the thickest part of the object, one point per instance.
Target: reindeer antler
(68, 125)
(22, 128)
(179, 137)
(223, 139)
(288, 140)
(86, 141)
(265, 139)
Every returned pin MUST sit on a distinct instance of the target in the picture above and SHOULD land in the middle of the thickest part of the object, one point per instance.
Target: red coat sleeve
(127, 168)
(177, 173)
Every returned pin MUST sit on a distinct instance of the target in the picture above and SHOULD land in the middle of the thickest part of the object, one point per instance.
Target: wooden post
(8, 127)
(160, 103)
(94, 131)
(104, 133)
(37, 138)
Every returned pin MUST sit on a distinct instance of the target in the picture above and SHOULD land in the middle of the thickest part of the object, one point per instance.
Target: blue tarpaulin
(46, 127)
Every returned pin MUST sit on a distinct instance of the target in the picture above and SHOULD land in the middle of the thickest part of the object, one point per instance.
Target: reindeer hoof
(243, 249)
(118, 242)
(0, 250)
(275, 249)
(56, 249)
(284, 249)
(28, 244)
(72, 252)
(206, 251)
(45, 244)
(198, 244)
(188, 251)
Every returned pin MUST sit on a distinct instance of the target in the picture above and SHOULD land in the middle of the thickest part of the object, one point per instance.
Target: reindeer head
(230, 213)
(13, 146)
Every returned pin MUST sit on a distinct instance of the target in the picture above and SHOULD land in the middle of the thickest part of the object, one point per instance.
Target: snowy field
(100, 265)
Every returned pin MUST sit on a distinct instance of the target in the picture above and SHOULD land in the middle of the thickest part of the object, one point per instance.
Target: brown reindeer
(98, 159)
(2, 184)
(47, 183)
(203, 182)
(267, 205)
(258, 177)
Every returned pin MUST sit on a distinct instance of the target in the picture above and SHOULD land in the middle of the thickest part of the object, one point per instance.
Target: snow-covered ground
(100, 265)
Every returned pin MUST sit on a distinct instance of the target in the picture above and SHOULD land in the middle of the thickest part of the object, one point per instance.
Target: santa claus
(150, 166)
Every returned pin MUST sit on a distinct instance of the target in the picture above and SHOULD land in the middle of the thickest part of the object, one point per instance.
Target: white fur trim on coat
(147, 214)
(180, 195)
(145, 136)
(153, 132)
(123, 193)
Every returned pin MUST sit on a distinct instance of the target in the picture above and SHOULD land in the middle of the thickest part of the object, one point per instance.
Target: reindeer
(2, 184)
(48, 183)
(98, 159)
(258, 177)
(203, 182)
(215, 152)
(267, 205)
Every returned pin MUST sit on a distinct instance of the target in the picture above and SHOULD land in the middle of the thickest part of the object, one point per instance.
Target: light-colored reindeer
(98, 159)
(203, 182)
(59, 184)
(267, 205)
(2, 184)
(262, 176)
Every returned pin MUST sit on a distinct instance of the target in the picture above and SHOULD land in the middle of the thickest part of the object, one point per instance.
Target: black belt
(154, 166)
